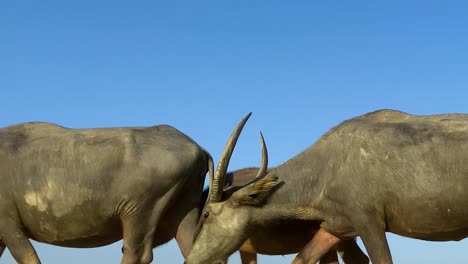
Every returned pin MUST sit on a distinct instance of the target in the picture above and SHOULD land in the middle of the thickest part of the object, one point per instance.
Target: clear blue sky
(301, 67)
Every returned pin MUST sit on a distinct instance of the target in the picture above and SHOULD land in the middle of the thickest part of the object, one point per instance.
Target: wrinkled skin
(385, 171)
(91, 187)
(286, 236)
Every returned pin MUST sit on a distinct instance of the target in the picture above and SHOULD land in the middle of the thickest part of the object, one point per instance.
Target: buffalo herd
(384, 171)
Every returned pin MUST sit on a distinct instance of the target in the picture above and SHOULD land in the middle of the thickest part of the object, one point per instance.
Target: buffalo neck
(299, 191)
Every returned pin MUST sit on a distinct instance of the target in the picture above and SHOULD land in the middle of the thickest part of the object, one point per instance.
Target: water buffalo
(288, 236)
(385, 171)
(92, 187)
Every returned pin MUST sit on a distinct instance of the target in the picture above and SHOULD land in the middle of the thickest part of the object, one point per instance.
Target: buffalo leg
(20, 248)
(186, 231)
(329, 258)
(351, 253)
(373, 236)
(248, 257)
(2, 248)
(138, 236)
(134, 236)
(377, 247)
(139, 230)
(189, 214)
(316, 248)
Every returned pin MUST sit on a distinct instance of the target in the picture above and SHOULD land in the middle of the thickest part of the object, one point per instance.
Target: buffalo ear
(255, 194)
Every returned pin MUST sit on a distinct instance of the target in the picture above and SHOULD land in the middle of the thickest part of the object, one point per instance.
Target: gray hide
(91, 187)
(287, 236)
(385, 171)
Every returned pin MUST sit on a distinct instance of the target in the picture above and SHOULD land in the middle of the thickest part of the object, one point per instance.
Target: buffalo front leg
(373, 236)
(329, 258)
(351, 253)
(2, 248)
(316, 248)
(248, 257)
(20, 248)
(376, 246)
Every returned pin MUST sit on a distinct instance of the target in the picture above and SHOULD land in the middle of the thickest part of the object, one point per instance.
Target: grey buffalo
(288, 236)
(91, 187)
(385, 171)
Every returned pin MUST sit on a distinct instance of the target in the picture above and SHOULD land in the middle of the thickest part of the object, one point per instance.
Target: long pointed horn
(264, 165)
(262, 171)
(211, 174)
(217, 184)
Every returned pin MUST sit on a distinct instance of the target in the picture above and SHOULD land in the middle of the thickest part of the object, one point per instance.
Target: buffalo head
(224, 223)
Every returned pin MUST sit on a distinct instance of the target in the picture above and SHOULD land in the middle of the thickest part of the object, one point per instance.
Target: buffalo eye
(206, 214)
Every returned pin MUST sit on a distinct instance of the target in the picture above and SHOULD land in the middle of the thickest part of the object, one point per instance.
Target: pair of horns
(218, 180)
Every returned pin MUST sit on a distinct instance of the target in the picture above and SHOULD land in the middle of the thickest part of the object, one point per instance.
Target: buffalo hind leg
(138, 235)
(188, 226)
(316, 248)
(139, 230)
(20, 248)
(351, 253)
(248, 257)
(135, 236)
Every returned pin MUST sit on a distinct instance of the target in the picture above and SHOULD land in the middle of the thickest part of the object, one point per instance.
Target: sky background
(301, 67)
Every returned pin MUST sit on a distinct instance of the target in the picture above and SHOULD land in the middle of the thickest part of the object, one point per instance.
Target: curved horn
(264, 165)
(217, 184)
(262, 171)
(211, 173)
